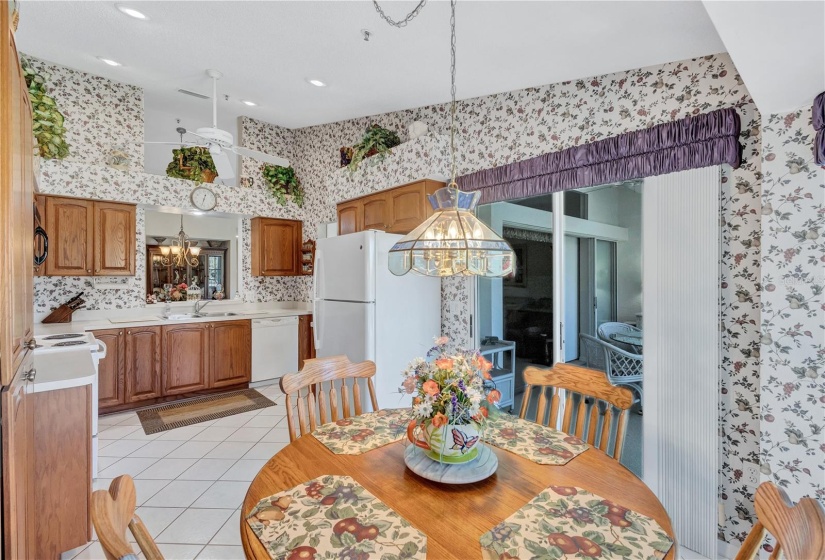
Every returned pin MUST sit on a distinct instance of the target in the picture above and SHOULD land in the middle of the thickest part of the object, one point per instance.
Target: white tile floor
(190, 481)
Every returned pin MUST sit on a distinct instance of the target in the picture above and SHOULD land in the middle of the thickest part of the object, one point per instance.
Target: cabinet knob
(88, 270)
(31, 344)
(128, 332)
(29, 375)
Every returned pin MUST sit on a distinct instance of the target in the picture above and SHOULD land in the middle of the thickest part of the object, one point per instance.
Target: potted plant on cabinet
(283, 184)
(376, 141)
(193, 163)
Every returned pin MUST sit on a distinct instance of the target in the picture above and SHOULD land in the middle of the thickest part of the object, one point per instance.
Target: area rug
(170, 416)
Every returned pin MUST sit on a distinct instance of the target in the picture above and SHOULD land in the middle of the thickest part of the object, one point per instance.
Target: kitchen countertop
(62, 370)
(140, 317)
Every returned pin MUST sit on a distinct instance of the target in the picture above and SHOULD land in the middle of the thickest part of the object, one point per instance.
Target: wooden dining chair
(313, 400)
(592, 408)
(113, 511)
(799, 530)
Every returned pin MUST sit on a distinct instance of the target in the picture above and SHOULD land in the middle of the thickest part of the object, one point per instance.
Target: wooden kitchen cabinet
(349, 217)
(306, 340)
(230, 356)
(60, 475)
(397, 210)
(111, 384)
(16, 463)
(16, 211)
(114, 239)
(184, 351)
(143, 364)
(276, 247)
(89, 238)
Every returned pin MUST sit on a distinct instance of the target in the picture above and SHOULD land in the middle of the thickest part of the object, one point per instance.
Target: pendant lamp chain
(401, 22)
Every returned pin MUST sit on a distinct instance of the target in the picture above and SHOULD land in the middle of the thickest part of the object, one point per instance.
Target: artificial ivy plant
(47, 120)
(193, 163)
(376, 141)
(282, 183)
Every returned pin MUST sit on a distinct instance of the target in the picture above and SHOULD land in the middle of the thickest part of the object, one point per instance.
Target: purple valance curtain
(693, 142)
(819, 126)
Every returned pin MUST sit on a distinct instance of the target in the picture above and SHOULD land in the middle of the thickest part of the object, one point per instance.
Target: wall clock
(203, 198)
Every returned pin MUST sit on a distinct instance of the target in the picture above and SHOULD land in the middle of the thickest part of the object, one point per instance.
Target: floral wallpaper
(793, 308)
(495, 130)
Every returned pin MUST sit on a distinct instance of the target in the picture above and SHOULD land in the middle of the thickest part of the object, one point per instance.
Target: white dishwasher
(274, 347)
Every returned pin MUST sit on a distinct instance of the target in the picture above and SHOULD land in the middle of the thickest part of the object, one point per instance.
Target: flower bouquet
(178, 293)
(454, 394)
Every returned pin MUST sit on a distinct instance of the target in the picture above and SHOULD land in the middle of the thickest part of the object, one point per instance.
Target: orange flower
(439, 420)
(416, 400)
(430, 387)
(444, 363)
(409, 385)
(483, 412)
(442, 340)
(494, 396)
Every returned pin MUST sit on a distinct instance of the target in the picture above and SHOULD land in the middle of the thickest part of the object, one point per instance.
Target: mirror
(207, 263)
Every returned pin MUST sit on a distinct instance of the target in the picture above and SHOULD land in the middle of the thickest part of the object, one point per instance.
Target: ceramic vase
(453, 444)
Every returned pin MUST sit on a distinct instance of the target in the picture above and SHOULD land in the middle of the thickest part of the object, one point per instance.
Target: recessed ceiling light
(109, 61)
(317, 83)
(131, 12)
(250, 103)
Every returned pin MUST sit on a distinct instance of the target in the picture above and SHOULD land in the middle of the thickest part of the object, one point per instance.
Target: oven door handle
(41, 233)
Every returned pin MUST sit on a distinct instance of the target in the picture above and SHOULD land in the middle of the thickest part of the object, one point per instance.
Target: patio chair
(605, 330)
(592, 352)
(622, 367)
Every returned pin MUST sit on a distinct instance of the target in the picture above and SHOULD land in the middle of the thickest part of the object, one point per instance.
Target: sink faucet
(199, 307)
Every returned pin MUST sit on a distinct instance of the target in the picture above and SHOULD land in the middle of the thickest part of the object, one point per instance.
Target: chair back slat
(568, 412)
(113, 511)
(322, 404)
(799, 530)
(542, 406)
(594, 409)
(525, 401)
(308, 388)
(345, 399)
(356, 398)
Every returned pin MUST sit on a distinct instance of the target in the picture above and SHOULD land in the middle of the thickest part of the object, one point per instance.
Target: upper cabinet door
(349, 217)
(375, 212)
(276, 247)
(407, 207)
(70, 226)
(114, 239)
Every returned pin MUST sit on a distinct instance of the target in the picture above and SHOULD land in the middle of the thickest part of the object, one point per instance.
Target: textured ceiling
(267, 49)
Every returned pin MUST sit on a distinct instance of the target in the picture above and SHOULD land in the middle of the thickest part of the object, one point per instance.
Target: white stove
(71, 342)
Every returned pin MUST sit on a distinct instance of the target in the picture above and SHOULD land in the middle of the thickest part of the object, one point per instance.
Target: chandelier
(452, 241)
(181, 253)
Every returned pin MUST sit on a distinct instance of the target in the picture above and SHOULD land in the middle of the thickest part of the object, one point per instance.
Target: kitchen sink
(182, 316)
(221, 314)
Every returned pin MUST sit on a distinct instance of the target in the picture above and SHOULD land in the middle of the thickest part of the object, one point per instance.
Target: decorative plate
(483, 467)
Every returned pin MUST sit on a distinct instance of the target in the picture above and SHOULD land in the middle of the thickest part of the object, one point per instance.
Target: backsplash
(495, 130)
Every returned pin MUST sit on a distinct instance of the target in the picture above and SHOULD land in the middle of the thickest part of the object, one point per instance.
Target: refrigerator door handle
(316, 320)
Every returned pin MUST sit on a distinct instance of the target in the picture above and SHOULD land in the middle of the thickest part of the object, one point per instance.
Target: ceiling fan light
(131, 12)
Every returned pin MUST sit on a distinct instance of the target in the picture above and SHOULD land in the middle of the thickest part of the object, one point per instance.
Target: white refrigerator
(363, 311)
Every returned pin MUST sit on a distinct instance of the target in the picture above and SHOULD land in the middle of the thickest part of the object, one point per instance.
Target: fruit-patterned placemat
(353, 436)
(568, 522)
(333, 517)
(532, 441)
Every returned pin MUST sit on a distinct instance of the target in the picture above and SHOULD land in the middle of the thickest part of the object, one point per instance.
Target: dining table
(452, 516)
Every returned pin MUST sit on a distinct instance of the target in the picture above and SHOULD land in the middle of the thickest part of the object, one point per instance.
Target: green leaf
(347, 539)
(618, 549)
(409, 550)
(296, 542)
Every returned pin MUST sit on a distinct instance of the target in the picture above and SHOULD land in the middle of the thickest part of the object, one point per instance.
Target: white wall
(199, 227)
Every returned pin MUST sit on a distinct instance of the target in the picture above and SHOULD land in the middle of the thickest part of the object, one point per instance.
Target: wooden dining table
(452, 516)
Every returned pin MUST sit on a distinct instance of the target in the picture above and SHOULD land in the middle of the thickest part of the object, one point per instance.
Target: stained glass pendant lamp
(452, 241)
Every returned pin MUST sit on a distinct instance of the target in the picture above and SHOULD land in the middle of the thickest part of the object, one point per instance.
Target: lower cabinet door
(111, 370)
(143, 365)
(185, 360)
(230, 353)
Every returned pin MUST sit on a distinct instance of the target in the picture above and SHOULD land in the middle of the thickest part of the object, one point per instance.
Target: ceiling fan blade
(222, 163)
(173, 143)
(246, 152)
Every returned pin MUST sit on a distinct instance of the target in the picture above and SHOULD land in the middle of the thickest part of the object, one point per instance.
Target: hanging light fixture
(181, 253)
(452, 241)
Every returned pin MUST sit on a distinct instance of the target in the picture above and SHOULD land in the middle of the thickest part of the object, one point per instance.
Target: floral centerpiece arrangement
(178, 292)
(454, 394)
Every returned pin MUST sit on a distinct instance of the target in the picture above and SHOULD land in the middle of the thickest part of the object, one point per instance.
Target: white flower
(423, 410)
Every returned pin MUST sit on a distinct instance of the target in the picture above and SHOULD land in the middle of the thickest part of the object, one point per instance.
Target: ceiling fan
(220, 142)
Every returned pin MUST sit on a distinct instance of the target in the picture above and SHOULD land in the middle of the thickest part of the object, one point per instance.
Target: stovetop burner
(62, 336)
(70, 343)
